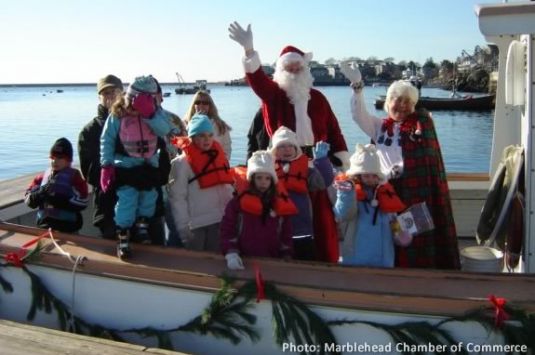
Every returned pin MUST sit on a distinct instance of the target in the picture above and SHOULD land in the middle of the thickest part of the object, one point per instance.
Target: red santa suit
(313, 120)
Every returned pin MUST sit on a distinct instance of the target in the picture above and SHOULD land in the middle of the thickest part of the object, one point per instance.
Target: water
(34, 117)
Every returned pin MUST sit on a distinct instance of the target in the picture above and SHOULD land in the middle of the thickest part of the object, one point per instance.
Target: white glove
(243, 37)
(185, 235)
(353, 75)
(234, 261)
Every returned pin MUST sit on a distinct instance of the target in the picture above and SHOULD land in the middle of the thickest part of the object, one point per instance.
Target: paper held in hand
(416, 219)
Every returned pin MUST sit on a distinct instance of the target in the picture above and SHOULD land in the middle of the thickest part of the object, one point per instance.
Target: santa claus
(289, 100)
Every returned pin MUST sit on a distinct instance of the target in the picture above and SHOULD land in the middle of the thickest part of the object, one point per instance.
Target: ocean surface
(34, 117)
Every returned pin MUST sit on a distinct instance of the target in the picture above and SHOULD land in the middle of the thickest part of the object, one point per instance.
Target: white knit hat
(365, 161)
(261, 162)
(284, 135)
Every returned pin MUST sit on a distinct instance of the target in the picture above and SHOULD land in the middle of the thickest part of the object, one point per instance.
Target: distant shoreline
(81, 84)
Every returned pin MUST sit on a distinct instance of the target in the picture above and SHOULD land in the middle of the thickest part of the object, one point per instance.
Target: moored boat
(465, 103)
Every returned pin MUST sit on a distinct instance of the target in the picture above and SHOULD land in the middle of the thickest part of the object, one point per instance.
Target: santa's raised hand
(243, 37)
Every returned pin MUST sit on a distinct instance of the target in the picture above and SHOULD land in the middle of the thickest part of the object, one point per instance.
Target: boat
(166, 94)
(188, 301)
(465, 103)
(189, 88)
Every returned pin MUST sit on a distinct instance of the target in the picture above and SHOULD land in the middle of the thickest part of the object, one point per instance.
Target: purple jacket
(256, 238)
(319, 178)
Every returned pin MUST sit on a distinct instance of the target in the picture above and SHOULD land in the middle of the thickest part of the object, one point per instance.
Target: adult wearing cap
(108, 89)
(290, 100)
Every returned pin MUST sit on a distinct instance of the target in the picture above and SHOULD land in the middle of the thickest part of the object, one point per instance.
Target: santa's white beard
(296, 86)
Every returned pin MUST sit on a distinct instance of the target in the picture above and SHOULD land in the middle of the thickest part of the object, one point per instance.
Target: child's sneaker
(123, 244)
(142, 231)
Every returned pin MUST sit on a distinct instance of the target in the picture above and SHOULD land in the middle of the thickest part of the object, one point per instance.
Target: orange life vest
(387, 198)
(296, 179)
(210, 167)
(283, 205)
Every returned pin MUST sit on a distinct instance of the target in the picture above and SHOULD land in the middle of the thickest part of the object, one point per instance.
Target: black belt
(308, 150)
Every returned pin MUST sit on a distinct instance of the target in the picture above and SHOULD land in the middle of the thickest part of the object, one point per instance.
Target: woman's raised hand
(352, 74)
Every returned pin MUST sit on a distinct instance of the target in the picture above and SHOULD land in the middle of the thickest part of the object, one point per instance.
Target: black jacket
(89, 147)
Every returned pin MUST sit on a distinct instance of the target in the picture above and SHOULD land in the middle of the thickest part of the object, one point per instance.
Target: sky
(72, 41)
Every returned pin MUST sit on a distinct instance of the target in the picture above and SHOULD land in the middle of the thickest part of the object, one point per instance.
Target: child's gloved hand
(321, 150)
(144, 104)
(403, 239)
(107, 177)
(343, 185)
(234, 261)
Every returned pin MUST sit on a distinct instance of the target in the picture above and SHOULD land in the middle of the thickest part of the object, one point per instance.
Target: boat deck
(17, 338)
(432, 292)
(413, 291)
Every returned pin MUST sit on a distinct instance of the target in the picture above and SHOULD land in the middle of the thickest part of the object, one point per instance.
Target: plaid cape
(424, 179)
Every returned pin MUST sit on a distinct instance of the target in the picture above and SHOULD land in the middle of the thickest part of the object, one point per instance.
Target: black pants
(304, 248)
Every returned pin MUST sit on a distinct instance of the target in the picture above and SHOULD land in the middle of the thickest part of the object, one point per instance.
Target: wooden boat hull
(479, 103)
(164, 288)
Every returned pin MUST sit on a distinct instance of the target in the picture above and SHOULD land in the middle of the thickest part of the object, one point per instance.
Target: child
(299, 179)
(60, 192)
(256, 221)
(130, 141)
(200, 186)
(368, 204)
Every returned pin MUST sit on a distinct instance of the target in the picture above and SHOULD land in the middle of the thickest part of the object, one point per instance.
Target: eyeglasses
(202, 102)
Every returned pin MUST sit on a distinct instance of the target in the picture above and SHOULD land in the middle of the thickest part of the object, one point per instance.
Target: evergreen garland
(228, 317)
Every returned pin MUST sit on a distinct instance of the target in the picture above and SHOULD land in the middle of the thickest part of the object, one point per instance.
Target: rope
(79, 260)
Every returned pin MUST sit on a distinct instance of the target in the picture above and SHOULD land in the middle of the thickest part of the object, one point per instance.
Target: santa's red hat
(290, 54)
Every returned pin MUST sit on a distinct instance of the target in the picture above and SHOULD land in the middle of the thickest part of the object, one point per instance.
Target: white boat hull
(121, 296)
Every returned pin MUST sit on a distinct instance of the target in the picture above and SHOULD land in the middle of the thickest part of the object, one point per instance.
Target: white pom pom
(418, 132)
(374, 203)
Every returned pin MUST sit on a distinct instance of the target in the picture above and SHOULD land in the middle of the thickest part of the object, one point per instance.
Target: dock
(18, 338)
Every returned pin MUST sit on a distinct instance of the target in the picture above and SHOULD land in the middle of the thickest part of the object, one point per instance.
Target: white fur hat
(261, 162)
(284, 135)
(365, 161)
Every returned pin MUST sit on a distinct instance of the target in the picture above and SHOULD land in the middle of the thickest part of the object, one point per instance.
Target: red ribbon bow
(500, 315)
(408, 126)
(260, 293)
(16, 258)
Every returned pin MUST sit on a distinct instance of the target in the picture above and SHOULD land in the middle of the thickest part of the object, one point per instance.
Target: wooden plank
(12, 190)
(414, 290)
(18, 338)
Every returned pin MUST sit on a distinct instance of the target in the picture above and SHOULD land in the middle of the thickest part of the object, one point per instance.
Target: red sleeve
(265, 88)
(80, 185)
(36, 183)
